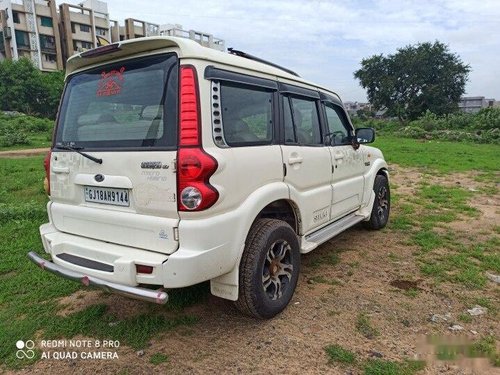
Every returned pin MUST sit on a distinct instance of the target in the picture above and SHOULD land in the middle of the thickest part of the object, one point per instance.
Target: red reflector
(194, 168)
(46, 165)
(189, 134)
(140, 268)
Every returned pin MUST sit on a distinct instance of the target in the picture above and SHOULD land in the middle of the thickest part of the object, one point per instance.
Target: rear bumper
(143, 294)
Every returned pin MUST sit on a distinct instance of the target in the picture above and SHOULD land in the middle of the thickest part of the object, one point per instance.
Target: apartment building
(353, 107)
(205, 39)
(34, 29)
(29, 28)
(473, 104)
(84, 26)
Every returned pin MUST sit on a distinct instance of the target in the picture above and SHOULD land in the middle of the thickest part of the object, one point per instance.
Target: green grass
(323, 280)
(29, 296)
(363, 325)
(440, 156)
(383, 367)
(158, 358)
(427, 240)
(463, 264)
(337, 354)
(485, 347)
(315, 260)
(465, 318)
(443, 254)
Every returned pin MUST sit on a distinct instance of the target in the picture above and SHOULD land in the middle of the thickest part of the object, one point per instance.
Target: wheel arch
(282, 209)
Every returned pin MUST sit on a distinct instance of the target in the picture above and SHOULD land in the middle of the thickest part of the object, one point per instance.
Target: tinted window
(129, 104)
(337, 125)
(246, 115)
(305, 120)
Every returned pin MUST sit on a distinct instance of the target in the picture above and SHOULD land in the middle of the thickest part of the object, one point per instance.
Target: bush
(26, 89)
(487, 118)
(413, 132)
(16, 129)
(481, 127)
(10, 136)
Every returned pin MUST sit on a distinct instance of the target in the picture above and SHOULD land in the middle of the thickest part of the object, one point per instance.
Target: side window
(247, 115)
(337, 126)
(305, 121)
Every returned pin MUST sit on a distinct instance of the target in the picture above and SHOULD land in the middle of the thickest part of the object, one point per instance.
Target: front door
(348, 163)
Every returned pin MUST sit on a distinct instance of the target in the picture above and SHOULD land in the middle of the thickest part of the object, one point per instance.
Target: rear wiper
(78, 149)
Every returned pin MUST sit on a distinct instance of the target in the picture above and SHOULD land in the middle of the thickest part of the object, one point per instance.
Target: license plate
(117, 197)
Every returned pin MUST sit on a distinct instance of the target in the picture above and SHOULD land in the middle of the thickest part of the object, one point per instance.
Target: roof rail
(233, 51)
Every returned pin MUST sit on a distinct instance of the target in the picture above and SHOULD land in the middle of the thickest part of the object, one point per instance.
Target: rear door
(307, 161)
(125, 114)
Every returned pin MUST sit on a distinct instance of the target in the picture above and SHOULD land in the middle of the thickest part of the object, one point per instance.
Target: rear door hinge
(284, 170)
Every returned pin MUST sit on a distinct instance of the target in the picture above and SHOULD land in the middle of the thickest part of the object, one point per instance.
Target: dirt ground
(20, 153)
(366, 280)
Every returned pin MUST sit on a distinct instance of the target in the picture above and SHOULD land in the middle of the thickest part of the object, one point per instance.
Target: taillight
(194, 165)
(46, 164)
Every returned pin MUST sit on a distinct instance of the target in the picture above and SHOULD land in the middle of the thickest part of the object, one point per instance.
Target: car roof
(186, 48)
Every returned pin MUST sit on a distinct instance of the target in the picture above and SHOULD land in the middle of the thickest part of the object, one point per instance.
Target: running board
(313, 240)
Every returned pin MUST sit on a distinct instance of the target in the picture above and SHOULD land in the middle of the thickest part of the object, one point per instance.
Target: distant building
(29, 28)
(81, 25)
(134, 28)
(205, 39)
(34, 29)
(353, 107)
(473, 104)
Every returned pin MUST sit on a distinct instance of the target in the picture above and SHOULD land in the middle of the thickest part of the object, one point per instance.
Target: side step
(313, 240)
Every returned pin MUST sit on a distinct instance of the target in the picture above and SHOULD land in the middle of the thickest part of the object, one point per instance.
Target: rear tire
(269, 269)
(382, 204)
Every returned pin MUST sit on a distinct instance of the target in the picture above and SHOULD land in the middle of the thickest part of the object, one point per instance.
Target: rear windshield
(129, 104)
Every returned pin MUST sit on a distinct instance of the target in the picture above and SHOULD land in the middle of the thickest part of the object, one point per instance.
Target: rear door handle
(60, 170)
(295, 160)
(339, 156)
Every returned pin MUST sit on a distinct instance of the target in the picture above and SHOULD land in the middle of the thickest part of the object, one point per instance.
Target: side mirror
(365, 135)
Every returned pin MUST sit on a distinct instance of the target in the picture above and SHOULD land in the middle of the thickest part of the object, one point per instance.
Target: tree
(26, 89)
(426, 76)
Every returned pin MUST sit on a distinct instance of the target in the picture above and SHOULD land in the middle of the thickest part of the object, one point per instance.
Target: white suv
(173, 164)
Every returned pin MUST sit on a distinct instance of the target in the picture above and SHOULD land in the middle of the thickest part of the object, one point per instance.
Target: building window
(15, 17)
(22, 39)
(100, 31)
(75, 45)
(85, 28)
(22, 53)
(73, 27)
(87, 45)
(46, 21)
(47, 43)
(49, 57)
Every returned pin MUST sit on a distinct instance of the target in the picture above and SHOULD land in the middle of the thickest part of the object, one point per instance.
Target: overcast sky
(325, 40)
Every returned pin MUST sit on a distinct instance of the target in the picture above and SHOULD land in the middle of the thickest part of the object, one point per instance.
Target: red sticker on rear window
(110, 83)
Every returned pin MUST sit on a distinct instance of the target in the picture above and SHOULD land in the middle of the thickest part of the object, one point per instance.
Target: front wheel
(269, 269)
(382, 204)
